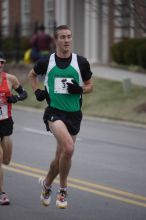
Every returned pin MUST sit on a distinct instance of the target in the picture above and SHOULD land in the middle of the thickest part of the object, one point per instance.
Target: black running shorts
(6, 127)
(72, 120)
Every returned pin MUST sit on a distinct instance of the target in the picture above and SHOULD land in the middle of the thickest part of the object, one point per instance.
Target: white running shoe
(61, 200)
(46, 193)
(4, 200)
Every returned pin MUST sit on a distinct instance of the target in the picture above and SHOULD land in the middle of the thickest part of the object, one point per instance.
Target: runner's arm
(15, 84)
(87, 86)
(32, 76)
(40, 94)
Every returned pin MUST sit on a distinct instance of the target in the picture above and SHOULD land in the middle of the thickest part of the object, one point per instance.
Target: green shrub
(8, 44)
(118, 52)
(131, 51)
(24, 43)
(142, 55)
(13, 48)
(128, 52)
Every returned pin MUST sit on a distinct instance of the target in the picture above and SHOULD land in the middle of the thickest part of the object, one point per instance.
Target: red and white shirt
(5, 108)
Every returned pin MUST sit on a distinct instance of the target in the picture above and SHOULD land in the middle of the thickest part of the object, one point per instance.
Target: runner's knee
(6, 161)
(69, 148)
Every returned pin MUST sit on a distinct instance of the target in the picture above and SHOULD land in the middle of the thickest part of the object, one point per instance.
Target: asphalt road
(107, 179)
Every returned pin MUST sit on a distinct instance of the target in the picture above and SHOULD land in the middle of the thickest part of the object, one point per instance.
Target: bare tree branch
(125, 11)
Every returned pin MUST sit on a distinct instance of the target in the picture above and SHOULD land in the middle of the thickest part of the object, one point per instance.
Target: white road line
(37, 131)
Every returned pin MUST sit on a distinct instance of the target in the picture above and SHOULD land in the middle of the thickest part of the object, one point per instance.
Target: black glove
(40, 94)
(74, 88)
(12, 99)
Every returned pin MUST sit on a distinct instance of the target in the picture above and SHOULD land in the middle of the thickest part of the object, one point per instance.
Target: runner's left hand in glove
(74, 88)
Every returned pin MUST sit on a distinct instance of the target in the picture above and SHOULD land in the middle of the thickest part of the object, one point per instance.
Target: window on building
(25, 16)
(49, 16)
(5, 17)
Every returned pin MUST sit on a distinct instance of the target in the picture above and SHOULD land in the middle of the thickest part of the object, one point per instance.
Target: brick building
(96, 24)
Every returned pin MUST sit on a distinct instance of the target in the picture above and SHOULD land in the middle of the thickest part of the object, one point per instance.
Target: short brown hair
(61, 27)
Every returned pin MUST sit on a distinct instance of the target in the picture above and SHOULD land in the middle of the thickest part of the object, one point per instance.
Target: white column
(105, 35)
(91, 41)
(87, 31)
(61, 11)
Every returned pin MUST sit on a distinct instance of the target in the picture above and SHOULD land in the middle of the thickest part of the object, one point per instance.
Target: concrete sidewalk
(106, 72)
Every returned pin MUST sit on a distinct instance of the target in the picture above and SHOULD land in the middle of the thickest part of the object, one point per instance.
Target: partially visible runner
(67, 78)
(7, 83)
(41, 43)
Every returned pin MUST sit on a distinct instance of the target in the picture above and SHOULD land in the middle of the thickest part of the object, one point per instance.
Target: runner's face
(64, 40)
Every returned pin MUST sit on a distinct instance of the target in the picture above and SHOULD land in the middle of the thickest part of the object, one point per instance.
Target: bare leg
(1, 171)
(54, 168)
(7, 149)
(65, 165)
(65, 151)
(5, 155)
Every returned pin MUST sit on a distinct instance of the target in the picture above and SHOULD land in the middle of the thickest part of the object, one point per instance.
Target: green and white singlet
(56, 83)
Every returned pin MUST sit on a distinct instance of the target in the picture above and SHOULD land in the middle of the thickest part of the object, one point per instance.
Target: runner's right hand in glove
(40, 95)
(12, 99)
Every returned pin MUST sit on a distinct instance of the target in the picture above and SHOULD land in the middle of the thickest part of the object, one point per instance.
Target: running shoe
(4, 200)
(61, 200)
(46, 193)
